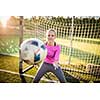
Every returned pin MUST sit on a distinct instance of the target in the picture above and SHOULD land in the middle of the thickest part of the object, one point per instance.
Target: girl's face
(51, 36)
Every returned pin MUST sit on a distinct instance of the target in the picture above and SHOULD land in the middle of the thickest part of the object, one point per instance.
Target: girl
(51, 61)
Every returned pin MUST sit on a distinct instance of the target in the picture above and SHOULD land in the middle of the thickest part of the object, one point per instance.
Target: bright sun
(4, 20)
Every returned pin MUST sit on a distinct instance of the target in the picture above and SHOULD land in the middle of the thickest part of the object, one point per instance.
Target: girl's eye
(50, 35)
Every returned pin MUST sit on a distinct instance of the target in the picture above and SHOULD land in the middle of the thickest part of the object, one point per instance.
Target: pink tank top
(53, 53)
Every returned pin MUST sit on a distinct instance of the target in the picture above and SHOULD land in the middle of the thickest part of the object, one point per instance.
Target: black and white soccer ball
(33, 51)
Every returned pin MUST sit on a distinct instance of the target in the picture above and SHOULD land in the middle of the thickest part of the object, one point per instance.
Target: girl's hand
(56, 64)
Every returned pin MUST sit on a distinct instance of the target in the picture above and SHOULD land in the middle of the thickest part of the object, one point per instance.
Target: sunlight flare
(4, 20)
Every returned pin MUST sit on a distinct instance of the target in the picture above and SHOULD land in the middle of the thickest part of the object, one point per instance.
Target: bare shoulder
(57, 44)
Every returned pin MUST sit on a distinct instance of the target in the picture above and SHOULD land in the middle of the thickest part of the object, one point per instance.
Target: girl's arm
(57, 54)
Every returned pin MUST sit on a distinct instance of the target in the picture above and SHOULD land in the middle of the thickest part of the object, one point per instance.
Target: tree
(13, 21)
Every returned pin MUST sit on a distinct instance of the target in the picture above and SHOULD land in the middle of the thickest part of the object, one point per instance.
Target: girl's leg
(59, 74)
(43, 69)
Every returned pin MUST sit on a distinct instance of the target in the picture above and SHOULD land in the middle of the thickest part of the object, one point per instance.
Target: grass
(11, 78)
(10, 63)
(82, 52)
(84, 46)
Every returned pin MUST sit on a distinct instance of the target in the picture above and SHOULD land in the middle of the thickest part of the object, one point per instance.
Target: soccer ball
(33, 51)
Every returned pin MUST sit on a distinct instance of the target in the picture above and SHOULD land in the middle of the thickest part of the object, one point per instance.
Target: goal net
(79, 40)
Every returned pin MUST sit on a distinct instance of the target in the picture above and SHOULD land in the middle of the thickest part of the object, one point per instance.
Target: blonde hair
(51, 30)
